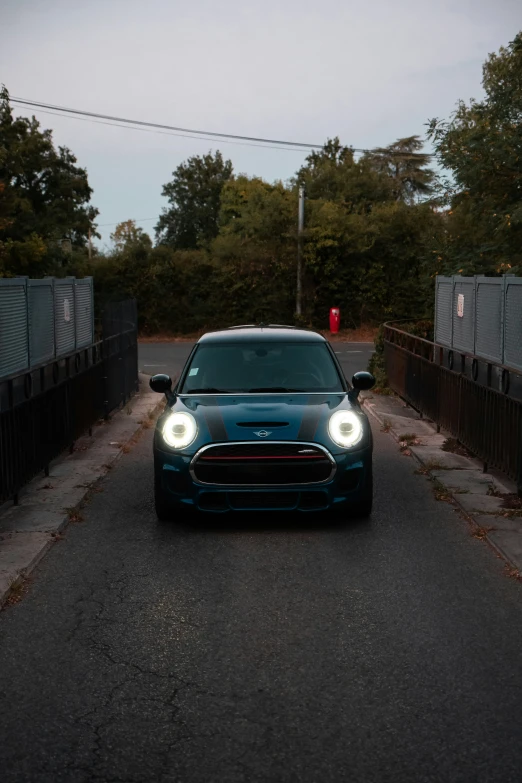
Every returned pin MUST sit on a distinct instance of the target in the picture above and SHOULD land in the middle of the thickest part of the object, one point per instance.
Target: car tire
(161, 504)
(363, 508)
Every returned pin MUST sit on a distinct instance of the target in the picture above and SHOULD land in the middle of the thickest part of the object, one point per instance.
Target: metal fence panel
(38, 420)
(487, 421)
(464, 314)
(443, 311)
(489, 307)
(64, 326)
(119, 317)
(84, 312)
(513, 323)
(14, 343)
(40, 302)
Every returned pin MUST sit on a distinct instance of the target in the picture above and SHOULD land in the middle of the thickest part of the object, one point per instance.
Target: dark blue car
(262, 419)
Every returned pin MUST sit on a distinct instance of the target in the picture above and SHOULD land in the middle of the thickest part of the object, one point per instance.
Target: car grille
(268, 464)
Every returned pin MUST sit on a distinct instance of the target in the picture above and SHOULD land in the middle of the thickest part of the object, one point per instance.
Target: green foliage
(422, 328)
(407, 167)
(482, 147)
(194, 196)
(44, 197)
(126, 235)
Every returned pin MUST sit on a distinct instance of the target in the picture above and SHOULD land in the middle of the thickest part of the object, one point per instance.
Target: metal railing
(488, 422)
(43, 412)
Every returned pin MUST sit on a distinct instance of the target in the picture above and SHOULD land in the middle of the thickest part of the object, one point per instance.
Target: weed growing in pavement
(493, 492)
(513, 573)
(74, 515)
(405, 441)
(481, 533)
(440, 492)
(409, 438)
(18, 588)
(429, 465)
(453, 446)
(386, 425)
(512, 501)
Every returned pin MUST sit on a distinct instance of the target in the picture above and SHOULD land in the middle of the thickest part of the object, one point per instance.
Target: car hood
(282, 417)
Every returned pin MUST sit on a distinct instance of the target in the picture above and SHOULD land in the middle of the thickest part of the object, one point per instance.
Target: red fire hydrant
(335, 319)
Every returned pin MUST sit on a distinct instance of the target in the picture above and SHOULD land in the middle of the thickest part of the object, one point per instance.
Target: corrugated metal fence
(41, 320)
(481, 316)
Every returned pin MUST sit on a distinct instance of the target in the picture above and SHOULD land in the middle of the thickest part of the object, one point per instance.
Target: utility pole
(90, 244)
(300, 228)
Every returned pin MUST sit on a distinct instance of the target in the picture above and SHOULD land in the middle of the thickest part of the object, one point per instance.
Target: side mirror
(162, 384)
(363, 381)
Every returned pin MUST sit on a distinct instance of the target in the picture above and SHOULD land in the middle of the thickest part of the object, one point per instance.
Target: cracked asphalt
(266, 649)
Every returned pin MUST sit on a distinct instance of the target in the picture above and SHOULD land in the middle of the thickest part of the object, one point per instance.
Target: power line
(229, 138)
(68, 110)
(164, 133)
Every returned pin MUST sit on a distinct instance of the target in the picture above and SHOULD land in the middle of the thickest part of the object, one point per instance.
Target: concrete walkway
(487, 499)
(48, 504)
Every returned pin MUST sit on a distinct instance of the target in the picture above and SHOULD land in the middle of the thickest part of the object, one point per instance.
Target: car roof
(276, 333)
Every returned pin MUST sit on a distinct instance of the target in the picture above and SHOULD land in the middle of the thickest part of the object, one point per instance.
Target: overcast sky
(369, 72)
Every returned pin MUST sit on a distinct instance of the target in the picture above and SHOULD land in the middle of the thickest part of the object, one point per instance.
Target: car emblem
(262, 433)
(306, 451)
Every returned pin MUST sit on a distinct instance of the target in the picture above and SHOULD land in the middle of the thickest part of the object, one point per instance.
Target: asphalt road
(267, 650)
(170, 357)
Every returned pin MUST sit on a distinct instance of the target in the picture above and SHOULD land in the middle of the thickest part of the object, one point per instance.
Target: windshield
(263, 367)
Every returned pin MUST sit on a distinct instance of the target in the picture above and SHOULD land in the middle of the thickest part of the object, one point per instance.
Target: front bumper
(345, 488)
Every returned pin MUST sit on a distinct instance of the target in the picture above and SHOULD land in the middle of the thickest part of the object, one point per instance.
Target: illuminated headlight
(345, 428)
(180, 430)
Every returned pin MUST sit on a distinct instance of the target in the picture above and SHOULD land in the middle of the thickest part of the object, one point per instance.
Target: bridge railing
(486, 420)
(43, 411)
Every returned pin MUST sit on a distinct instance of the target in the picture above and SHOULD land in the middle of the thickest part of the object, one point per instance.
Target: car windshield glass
(263, 367)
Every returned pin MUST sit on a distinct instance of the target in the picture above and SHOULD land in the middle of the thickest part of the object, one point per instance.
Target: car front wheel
(161, 504)
(363, 508)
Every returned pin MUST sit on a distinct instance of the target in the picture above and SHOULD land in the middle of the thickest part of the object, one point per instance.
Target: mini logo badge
(262, 433)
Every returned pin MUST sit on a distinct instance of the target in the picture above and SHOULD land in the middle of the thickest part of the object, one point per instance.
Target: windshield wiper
(274, 389)
(206, 390)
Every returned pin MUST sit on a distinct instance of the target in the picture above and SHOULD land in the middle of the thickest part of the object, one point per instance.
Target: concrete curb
(49, 504)
(506, 542)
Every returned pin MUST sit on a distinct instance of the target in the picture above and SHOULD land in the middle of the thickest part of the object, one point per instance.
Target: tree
(44, 196)
(127, 234)
(406, 166)
(482, 147)
(194, 195)
(333, 174)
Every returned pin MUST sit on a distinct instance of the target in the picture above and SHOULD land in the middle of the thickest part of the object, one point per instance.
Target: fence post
(105, 381)
(519, 466)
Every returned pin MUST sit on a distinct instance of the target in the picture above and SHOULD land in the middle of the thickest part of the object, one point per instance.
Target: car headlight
(345, 428)
(180, 430)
